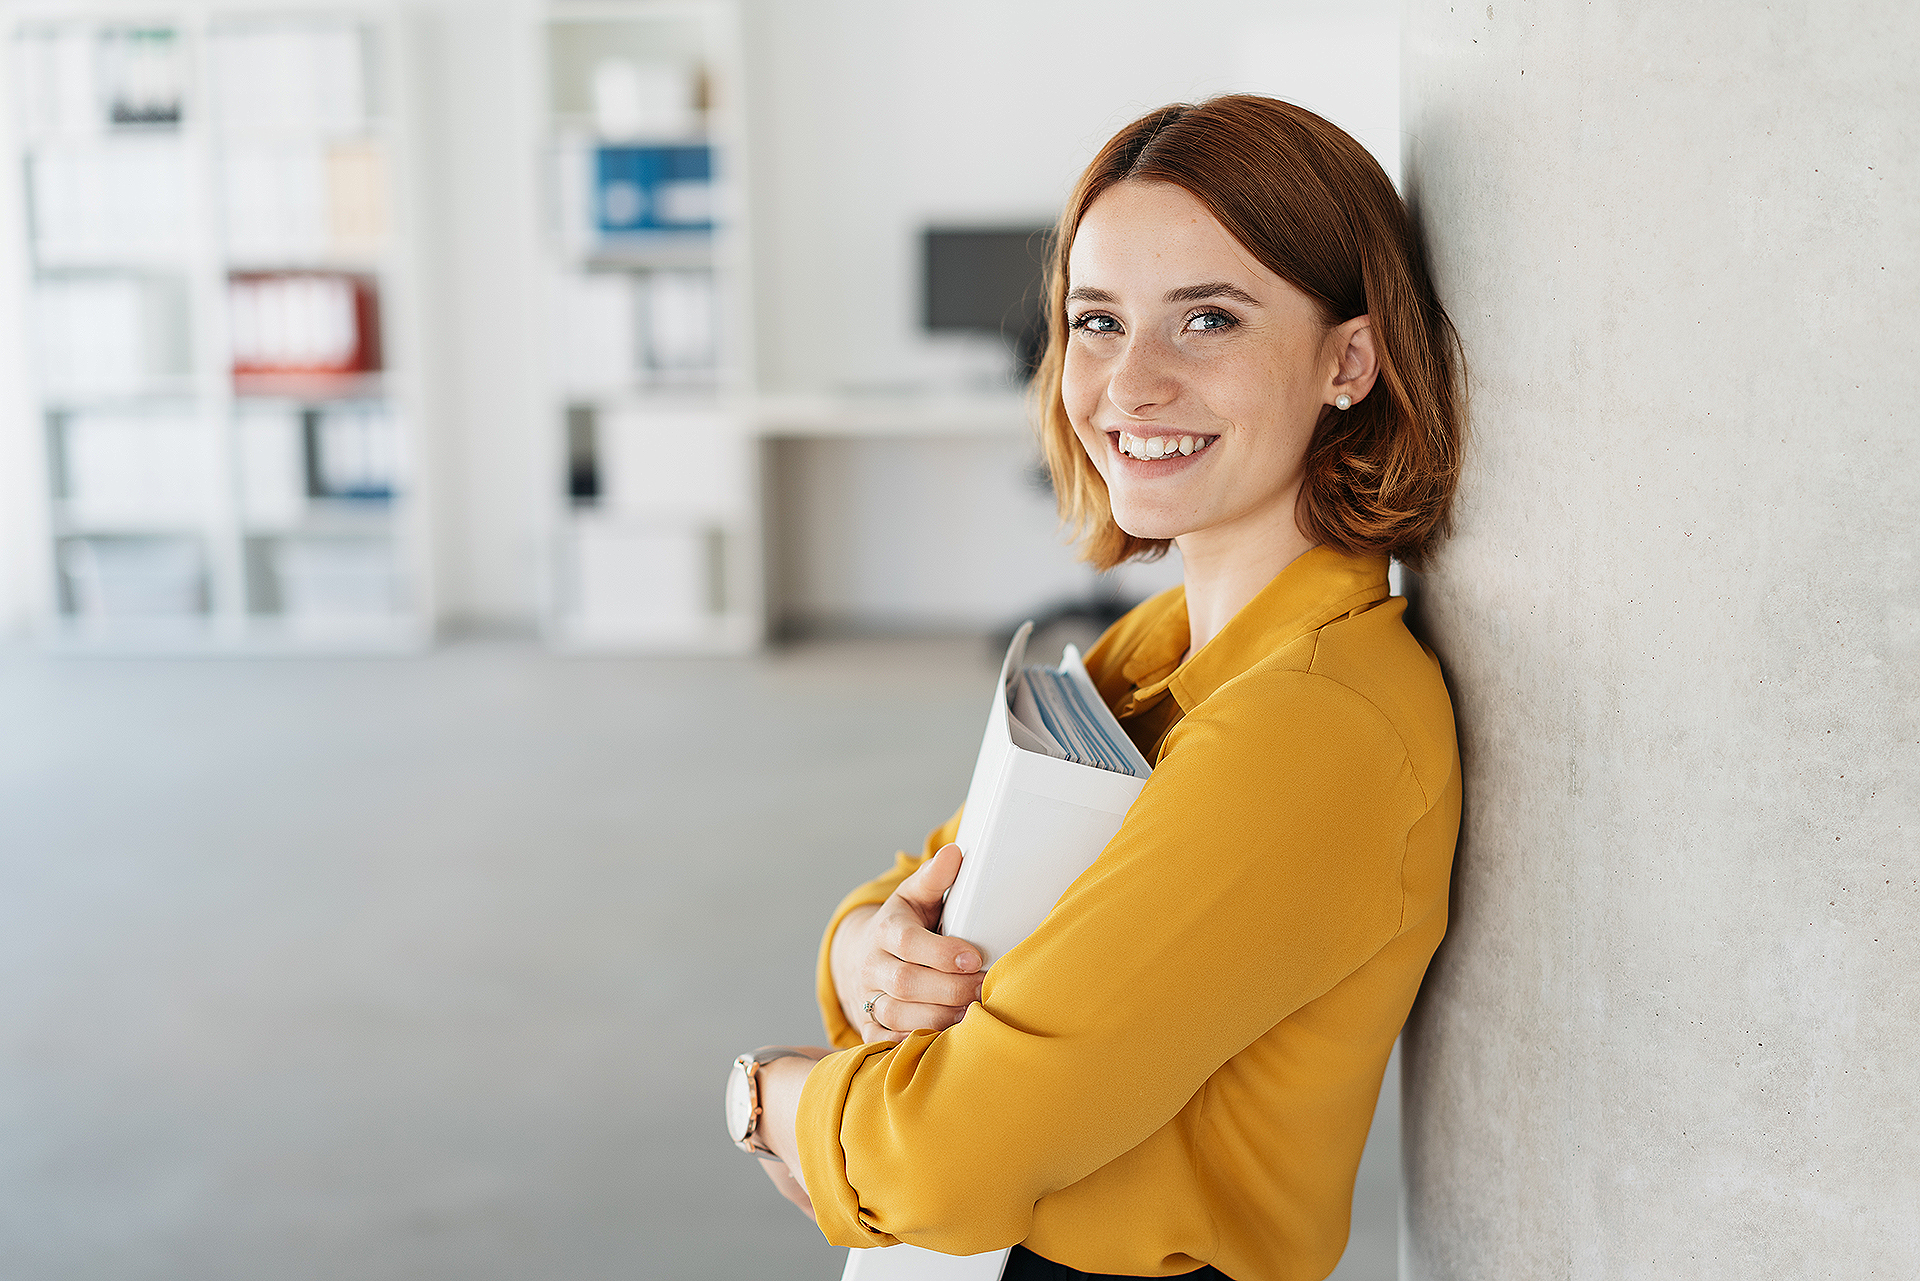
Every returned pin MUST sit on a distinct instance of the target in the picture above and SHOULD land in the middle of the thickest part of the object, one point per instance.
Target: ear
(1356, 361)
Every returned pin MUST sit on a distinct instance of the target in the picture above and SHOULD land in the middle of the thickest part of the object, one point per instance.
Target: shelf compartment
(83, 79)
(321, 581)
(140, 468)
(110, 334)
(283, 73)
(290, 202)
(133, 577)
(620, 330)
(651, 584)
(303, 325)
(657, 462)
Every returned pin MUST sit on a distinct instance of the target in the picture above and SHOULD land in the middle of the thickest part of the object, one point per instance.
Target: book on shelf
(141, 75)
(243, 153)
(55, 80)
(1055, 776)
(351, 451)
(296, 180)
(288, 457)
(356, 185)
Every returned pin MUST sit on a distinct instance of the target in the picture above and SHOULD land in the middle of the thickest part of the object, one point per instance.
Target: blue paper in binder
(653, 189)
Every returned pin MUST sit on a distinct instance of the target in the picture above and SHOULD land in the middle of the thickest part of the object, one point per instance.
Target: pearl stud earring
(1343, 401)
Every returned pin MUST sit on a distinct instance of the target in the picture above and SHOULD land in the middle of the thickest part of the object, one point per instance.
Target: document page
(1057, 712)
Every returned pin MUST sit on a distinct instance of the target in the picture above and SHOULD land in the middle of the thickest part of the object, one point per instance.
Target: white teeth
(1155, 447)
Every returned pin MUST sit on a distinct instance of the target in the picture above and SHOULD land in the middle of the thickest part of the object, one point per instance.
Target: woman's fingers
(892, 1018)
(906, 981)
(914, 978)
(934, 951)
(905, 924)
(923, 890)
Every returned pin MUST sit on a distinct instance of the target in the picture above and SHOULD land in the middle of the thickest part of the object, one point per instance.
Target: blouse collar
(1320, 585)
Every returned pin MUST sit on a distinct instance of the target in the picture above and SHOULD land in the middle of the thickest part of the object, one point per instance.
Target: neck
(1224, 569)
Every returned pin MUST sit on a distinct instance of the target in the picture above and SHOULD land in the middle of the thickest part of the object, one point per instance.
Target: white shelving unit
(653, 514)
(225, 391)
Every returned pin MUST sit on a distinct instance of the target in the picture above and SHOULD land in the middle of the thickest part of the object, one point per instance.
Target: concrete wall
(1672, 1031)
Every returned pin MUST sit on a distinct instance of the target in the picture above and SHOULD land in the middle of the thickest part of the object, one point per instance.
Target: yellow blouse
(1180, 1065)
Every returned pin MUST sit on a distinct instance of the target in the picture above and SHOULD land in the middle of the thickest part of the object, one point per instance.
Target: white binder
(1032, 824)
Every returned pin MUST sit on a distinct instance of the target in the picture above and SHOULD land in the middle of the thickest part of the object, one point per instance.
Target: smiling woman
(1175, 1073)
(1311, 239)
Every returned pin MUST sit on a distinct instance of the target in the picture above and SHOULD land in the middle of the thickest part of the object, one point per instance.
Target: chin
(1148, 524)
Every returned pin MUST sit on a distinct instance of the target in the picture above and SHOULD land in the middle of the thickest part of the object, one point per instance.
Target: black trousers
(1024, 1265)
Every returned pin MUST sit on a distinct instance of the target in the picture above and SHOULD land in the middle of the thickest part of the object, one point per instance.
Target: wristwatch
(743, 1097)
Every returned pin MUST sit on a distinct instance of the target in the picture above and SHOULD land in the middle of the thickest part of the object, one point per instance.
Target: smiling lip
(1160, 447)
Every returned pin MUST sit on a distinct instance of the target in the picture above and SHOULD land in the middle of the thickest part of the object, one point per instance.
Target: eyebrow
(1185, 293)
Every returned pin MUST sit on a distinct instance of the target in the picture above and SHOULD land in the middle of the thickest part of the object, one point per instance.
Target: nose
(1143, 381)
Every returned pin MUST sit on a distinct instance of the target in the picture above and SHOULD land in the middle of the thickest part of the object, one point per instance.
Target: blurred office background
(586, 441)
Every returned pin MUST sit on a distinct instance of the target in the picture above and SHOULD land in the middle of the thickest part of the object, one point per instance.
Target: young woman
(1175, 1074)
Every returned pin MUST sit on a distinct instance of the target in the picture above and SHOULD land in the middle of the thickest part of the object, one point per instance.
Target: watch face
(739, 1104)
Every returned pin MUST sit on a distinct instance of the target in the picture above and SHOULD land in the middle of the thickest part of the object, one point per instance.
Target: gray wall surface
(1672, 1031)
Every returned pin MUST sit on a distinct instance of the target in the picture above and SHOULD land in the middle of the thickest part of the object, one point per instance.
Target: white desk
(907, 511)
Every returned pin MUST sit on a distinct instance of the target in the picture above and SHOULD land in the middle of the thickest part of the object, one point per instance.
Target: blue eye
(1094, 322)
(1208, 321)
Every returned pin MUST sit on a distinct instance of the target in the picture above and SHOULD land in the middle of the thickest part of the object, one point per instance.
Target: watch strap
(751, 1063)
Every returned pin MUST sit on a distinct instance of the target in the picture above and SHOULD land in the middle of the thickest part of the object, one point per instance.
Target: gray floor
(431, 968)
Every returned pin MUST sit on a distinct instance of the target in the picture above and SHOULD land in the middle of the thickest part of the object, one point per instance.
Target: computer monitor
(989, 280)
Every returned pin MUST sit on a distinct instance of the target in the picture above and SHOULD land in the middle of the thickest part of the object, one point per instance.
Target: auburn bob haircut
(1309, 202)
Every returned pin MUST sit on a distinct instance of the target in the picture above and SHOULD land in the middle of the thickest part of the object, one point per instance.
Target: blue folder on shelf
(652, 189)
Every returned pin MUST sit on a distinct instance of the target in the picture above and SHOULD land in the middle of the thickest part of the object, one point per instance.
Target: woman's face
(1194, 376)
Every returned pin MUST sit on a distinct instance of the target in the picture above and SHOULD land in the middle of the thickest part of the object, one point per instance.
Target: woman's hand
(788, 1184)
(890, 956)
(781, 1083)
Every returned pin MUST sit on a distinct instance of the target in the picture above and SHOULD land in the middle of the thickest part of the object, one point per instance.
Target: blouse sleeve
(1261, 864)
(840, 1033)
